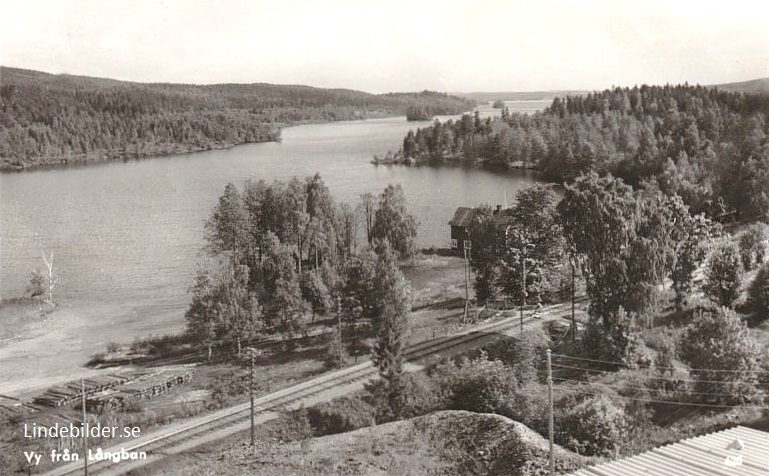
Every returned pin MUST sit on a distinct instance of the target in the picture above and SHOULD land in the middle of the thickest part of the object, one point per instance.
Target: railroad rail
(228, 421)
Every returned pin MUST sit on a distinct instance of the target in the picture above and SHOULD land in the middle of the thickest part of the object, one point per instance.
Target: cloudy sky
(393, 45)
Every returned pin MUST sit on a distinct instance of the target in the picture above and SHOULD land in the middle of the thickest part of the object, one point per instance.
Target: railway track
(225, 422)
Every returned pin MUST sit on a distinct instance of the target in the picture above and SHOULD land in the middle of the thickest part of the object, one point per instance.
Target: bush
(595, 426)
(333, 352)
(421, 396)
(615, 338)
(477, 385)
(524, 354)
(113, 347)
(722, 281)
(340, 415)
(294, 425)
(228, 386)
(716, 342)
(758, 295)
(752, 246)
(665, 344)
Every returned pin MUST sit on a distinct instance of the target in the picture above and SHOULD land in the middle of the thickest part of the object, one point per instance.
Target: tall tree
(389, 350)
(282, 296)
(368, 209)
(534, 235)
(598, 215)
(347, 231)
(722, 277)
(201, 316)
(758, 295)
(315, 292)
(227, 227)
(238, 309)
(483, 253)
(692, 236)
(394, 223)
(359, 291)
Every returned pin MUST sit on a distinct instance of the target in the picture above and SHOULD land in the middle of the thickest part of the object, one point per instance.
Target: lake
(126, 236)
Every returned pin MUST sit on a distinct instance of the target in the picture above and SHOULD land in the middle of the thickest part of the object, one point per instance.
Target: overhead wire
(626, 387)
(688, 404)
(656, 367)
(651, 377)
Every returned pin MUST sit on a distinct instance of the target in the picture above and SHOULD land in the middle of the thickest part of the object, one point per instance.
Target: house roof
(503, 218)
(462, 217)
(700, 456)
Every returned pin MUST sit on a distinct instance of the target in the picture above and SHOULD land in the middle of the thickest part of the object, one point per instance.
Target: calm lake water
(126, 236)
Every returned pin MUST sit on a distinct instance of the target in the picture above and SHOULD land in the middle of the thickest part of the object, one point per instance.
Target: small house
(460, 229)
(460, 226)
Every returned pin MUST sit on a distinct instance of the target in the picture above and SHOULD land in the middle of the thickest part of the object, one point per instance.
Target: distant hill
(517, 96)
(50, 119)
(753, 86)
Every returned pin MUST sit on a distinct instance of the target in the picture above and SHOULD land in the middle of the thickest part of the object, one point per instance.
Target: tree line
(53, 118)
(708, 146)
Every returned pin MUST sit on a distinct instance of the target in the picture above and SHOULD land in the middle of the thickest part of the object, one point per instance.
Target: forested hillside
(711, 147)
(47, 118)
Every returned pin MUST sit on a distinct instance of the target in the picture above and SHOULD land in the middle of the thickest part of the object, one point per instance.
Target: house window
(453, 243)
(467, 244)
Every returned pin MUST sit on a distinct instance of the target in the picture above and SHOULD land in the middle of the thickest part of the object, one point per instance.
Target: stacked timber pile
(152, 384)
(71, 391)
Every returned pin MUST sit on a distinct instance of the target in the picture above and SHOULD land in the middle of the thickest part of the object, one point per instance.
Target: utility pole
(550, 405)
(573, 294)
(467, 282)
(85, 428)
(339, 327)
(467, 275)
(251, 391)
(523, 283)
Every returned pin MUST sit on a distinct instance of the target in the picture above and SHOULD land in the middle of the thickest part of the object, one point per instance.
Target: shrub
(228, 386)
(716, 342)
(666, 352)
(722, 282)
(615, 338)
(758, 295)
(333, 352)
(752, 246)
(524, 353)
(420, 396)
(294, 425)
(477, 385)
(595, 426)
(340, 415)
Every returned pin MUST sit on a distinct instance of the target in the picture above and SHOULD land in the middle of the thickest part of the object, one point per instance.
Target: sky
(393, 45)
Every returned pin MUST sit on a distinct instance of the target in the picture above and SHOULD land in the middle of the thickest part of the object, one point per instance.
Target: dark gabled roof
(701, 456)
(463, 216)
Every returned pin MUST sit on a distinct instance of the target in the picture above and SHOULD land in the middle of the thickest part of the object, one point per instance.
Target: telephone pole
(573, 294)
(523, 284)
(467, 282)
(339, 327)
(550, 405)
(251, 391)
(85, 428)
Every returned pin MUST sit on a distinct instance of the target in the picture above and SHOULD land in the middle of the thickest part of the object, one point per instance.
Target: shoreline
(172, 149)
(454, 161)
